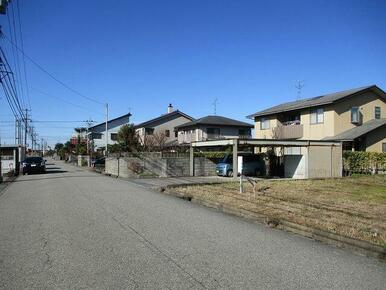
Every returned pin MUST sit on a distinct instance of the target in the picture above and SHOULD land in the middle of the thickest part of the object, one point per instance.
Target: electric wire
(50, 74)
(23, 58)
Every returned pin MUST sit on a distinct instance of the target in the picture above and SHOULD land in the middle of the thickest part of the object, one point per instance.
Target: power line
(61, 121)
(22, 47)
(58, 98)
(51, 75)
(12, 29)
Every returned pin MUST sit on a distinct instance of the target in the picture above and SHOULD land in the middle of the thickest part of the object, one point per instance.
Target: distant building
(79, 135)
(97, 132)
(212, 128)
(164, 124)
(10, 158)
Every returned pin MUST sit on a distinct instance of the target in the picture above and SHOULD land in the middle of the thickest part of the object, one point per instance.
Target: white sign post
(240, 171)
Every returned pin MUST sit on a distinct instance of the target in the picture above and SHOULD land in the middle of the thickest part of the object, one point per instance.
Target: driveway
(73, 229)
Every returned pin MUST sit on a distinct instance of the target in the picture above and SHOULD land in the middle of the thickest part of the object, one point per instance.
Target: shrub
(84, 162)
(212, 154)
(135, 167)
(363, 162)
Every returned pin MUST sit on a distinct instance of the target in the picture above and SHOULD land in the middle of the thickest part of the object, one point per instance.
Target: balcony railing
(292, 131)
(214, 136)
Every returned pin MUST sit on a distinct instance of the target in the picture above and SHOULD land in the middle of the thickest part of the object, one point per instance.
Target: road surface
(75, 229)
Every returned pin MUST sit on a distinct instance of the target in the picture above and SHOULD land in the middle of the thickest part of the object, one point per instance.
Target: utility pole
(88, 123)
(32, 138)
(25, 130)
(107, 129)
(16, 131)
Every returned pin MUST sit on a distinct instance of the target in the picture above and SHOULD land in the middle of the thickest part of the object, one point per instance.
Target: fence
(157, 165)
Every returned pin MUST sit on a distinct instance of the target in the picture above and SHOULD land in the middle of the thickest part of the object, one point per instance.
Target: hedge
(364, 162)
(212, 154)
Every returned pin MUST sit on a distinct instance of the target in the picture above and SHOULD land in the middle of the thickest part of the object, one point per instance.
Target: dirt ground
(352, 206)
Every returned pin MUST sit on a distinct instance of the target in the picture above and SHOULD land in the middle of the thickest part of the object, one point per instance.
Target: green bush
(363, 162)
(84, 162)
(212, 154)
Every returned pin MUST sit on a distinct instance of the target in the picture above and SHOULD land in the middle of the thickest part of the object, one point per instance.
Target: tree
(156, 141)
(58, 146)
(128, 138)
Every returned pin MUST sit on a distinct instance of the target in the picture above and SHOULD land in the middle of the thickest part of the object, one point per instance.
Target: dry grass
(352, 206)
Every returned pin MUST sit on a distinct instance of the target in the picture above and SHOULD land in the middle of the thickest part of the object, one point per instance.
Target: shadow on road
(57, 177)
(49, 171)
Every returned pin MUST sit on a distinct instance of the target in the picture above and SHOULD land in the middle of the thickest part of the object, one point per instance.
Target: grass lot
(352, 206)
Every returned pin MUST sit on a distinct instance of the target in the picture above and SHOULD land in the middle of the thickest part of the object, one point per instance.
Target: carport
(302, 159)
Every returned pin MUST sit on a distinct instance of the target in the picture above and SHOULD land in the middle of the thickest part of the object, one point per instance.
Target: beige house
(163, 126)
(212, 128)
(357, 117)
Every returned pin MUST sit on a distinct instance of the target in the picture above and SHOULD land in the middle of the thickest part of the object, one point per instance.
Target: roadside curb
(357, 246)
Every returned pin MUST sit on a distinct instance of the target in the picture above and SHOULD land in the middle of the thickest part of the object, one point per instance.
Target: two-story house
(357, 117)
(97, 133)
(212, 128)
(163, 125)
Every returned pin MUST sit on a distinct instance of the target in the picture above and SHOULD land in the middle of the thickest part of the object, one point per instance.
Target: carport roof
(266, 142)
(359, 131)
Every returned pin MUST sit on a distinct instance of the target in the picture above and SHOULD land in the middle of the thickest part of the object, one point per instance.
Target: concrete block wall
(161, 167)
(84, 158)
(111, 166)
(177, 166)
(204, 166)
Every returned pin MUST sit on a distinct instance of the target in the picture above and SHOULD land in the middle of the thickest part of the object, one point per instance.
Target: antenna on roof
(299, 86)
(214, 104)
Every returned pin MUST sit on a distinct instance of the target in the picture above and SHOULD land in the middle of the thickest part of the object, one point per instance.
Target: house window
(377, 112)
(96, 136)
(317, 116)
(149, 131)
(176, 134)
(114, 136)
(167, 133)
(355, 115)
(264, 124)
(213, 133)
(384, 147)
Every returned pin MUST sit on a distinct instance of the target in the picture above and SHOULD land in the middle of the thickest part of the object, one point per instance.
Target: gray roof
(316, 101)
(125, 118)
(215, 121)
(165, 116)
(359, 131)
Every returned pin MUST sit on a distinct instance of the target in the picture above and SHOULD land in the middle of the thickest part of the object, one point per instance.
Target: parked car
(253, 165)
(33, 165)
(98, 162)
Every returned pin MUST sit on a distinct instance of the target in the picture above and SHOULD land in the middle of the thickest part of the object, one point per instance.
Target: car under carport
(302, 159)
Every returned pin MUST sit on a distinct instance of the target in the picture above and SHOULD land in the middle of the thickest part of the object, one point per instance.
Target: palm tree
(128, 138)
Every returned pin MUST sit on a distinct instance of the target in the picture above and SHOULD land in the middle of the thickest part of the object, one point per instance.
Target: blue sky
(142, 55)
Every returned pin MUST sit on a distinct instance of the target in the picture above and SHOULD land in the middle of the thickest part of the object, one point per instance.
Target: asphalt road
(75, 229)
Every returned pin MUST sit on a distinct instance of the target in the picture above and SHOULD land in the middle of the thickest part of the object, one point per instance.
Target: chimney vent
(170, 108)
